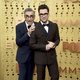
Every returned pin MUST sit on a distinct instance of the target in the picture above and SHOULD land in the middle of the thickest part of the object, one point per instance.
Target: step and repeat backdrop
(66, 13)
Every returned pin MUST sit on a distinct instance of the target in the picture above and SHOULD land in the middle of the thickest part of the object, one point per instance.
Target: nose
(29, 19)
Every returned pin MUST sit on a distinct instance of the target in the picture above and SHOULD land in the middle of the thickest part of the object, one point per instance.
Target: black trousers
(52, 68)
(26, 70)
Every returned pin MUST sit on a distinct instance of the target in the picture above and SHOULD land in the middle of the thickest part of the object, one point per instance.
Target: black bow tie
(29, 26)
(45, 24)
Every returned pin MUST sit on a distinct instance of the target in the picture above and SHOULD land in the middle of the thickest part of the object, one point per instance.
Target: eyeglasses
(41, 14)
(29, 16)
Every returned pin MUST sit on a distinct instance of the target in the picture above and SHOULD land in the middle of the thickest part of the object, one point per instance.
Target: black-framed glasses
(29, 16)
(41, 14)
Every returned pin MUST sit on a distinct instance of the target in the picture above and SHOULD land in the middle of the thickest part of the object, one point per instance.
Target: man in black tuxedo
(25, 55)
(44, 40)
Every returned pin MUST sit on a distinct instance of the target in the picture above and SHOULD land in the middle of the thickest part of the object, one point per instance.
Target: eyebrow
(43, 13)
(29, 15)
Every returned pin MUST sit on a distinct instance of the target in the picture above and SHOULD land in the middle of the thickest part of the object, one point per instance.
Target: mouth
(29, 21)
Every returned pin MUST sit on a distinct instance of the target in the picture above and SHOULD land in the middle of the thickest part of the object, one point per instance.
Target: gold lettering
(65, 46)
(62, 70)
(72, 71)
(72, 47)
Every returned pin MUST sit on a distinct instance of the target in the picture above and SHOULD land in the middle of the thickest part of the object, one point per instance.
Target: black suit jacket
(22, 41)
(39, 39)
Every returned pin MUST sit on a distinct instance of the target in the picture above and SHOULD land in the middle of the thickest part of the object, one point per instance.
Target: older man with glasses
(25, 56)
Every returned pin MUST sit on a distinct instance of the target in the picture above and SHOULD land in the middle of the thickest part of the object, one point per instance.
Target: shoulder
(36, 24)
(20, 24)
(52, 23)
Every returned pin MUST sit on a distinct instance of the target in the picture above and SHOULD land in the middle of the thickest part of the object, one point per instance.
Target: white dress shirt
(28, 25)
(45, 27)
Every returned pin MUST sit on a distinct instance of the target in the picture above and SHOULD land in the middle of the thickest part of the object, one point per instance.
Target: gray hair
(29, 9)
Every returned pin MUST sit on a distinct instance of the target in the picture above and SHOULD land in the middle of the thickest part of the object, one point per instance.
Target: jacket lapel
(42, 29)
(24, 26)
(49, 29)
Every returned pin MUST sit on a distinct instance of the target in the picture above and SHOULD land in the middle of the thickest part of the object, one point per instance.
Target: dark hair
(43, 6)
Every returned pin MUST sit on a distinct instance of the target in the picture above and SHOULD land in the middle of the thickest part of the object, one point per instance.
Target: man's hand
(30, 30)
(50, 45)
(47, 47)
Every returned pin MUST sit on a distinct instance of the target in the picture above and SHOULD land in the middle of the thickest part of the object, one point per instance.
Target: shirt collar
(28, 24)
(44, 23)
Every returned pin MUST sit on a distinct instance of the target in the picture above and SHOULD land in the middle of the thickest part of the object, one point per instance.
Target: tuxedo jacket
(22, 41)
(38, 40)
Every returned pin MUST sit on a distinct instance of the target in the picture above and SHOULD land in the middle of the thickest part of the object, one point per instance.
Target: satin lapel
(42, 28)
(50, 30)
(24, 27)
